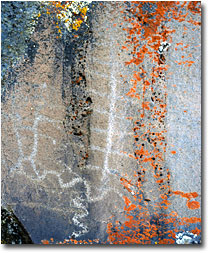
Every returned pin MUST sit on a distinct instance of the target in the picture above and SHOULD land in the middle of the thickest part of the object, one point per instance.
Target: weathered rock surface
(68, 135)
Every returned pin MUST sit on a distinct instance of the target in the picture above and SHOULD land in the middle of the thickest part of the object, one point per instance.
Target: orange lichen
(154, 31)
(189, 196)
(70, 14)
(193, 204)
(142, 226)
(127, 201)
(186, 195)
(196, 231)
(45, 242)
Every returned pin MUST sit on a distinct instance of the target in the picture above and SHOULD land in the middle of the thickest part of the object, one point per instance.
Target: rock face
(78, 127)
(12, 231)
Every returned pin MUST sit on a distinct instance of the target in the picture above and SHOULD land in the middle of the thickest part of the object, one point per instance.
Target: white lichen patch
(73, 14)
(186, 238)
(164, 46)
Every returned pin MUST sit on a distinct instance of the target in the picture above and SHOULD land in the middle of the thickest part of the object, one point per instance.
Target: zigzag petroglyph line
(40, 176)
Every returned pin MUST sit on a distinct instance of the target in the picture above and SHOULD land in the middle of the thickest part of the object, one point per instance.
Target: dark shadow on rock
(12, 230)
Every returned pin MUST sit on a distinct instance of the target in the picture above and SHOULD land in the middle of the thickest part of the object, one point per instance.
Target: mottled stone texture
(67, 129)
